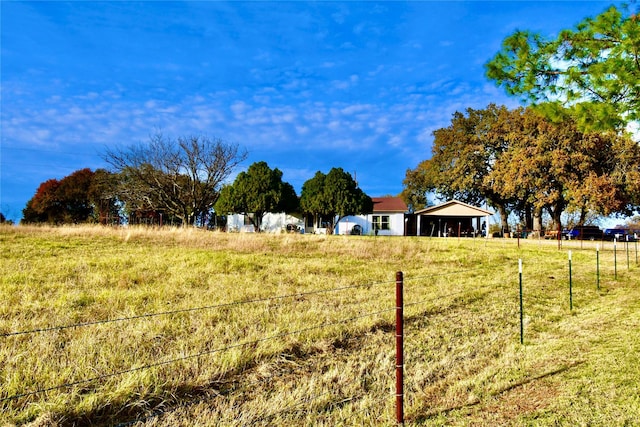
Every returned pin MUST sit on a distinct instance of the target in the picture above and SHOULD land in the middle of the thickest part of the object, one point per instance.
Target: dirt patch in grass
(521, 400)
(513, 404)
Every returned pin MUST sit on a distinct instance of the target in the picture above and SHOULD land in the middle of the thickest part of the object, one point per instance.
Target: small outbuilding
(452, 218)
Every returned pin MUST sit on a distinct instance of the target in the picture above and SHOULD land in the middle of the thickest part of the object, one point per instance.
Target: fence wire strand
(193, 356)
(226, 393)
(294, 407)
(189, 310)
(360, 411)
(446, 273)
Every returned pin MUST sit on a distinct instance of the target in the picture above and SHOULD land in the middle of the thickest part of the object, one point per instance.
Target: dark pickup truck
(585, 232)
(621, 234)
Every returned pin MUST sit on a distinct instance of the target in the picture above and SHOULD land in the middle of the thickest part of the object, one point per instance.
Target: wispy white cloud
(305, 87)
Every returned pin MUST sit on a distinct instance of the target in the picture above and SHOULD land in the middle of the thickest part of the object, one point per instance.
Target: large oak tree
(462, 161)
(559, 168)
(520, 161)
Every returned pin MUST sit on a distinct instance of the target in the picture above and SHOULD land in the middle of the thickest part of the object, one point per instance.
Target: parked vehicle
(356, 230)
(626, 234)
(584, 232)
(614, 233)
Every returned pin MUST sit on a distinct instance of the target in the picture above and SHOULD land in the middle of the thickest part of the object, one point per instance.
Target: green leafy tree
(334, 196)
(256, 192)
(4, 220)
(418, 183)
(590, 73)
(311, 197)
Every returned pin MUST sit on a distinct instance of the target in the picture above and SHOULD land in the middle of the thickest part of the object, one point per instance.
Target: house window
(380, 222)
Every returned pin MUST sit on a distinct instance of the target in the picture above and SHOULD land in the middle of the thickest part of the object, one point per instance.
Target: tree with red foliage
(64, 201)
(43, 206)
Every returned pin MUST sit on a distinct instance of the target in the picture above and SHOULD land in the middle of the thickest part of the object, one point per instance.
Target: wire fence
(435, 283)
(188, 310)
(30, 395)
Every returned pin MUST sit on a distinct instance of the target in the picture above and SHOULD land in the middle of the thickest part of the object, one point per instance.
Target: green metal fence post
(570, 285)
(615, 260)
(598, 267)
(521, 305)
(627, 246)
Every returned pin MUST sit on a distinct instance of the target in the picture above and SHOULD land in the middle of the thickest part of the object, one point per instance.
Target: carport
(452, 218)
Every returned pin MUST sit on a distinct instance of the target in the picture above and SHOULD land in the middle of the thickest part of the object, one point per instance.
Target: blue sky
(304, 86)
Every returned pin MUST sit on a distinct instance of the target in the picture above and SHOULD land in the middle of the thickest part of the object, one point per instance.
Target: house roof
(454, 208)
(389, 204)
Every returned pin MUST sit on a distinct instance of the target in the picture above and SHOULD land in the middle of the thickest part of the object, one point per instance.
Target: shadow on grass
(232, 382)
(523, 382)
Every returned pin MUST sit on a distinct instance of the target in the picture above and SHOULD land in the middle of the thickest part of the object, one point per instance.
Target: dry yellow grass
(298, 329)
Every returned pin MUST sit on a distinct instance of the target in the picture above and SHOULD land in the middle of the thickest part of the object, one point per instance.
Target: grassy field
(173, 327)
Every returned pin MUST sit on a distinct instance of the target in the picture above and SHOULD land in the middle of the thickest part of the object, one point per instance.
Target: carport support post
(399, 350)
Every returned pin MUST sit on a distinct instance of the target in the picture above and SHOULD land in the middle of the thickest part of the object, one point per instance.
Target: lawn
(136, 326)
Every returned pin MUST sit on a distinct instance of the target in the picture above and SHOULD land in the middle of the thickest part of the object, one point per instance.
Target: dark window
(380, 222)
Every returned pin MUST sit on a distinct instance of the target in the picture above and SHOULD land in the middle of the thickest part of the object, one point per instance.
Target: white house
(271, 223)
(387, 219)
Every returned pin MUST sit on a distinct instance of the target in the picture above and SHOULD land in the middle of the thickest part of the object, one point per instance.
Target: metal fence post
(598, 267)
(627, 246)
(399, 349)
(615, 261)
(570, 285)
(521, 305)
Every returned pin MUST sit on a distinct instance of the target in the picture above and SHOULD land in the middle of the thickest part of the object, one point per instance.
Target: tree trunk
(556, 216)
(583, 216)
(537, 222)
(528, 217)
(257, 220)
(504, 217)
